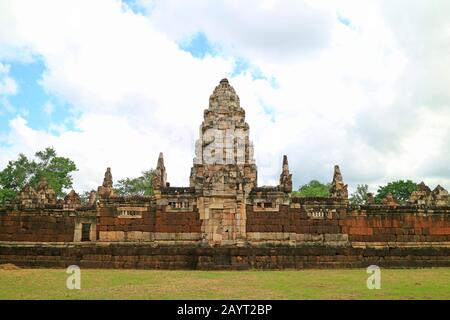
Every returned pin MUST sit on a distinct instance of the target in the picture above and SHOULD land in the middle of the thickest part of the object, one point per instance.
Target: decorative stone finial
(285, 177)
(224, 81)
(160, 175)
(106, 189)
(338, 188)
(108, 180)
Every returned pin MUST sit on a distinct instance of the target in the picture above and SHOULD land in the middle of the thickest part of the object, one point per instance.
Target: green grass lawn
(433, 283)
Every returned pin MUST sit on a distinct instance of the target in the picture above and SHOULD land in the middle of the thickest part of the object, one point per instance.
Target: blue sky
(40, 108)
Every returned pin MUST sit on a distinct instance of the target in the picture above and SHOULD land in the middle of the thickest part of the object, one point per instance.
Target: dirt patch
(9, 266)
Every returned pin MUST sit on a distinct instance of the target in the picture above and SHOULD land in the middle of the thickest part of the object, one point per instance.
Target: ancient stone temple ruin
(223, 219)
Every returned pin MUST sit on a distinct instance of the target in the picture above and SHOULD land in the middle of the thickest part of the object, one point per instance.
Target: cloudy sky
(362, 84)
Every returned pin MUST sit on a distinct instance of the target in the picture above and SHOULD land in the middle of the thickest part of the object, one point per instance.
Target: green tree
(401, 190)
(7, 195)
(24, 171)
(141, 185)
(360, 195)
(313, 189)
(55, 169)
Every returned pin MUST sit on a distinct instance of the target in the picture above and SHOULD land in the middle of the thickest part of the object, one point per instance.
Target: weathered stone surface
(338, 188)
(389, 201)
(224, 171)
(106, 189)
(285, 177)
(45, 193)
(422, 195)
(145, 256)
(27, 196)
(159, 180)
(440, 196)
(72, 198)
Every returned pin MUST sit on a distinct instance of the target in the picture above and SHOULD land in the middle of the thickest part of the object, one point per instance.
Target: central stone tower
(224, 170)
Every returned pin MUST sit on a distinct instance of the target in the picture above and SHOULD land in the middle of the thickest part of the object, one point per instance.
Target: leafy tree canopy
(141, 185)
(23, 170)
(313, 189)
(401, 190)
(360, 195)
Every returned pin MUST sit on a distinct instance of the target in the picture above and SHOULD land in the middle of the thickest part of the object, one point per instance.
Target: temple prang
(223, 218)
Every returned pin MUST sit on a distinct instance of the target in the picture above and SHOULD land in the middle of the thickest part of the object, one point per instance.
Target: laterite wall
(36, 226)
(146, 256)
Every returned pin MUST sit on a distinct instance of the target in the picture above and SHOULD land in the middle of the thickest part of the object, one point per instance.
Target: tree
(313, 189)
(360, 195)
(24, 171)
(141, 185)
(401, 190)
(55, 169)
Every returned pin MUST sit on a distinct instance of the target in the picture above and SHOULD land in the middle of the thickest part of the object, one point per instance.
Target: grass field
(156, 284)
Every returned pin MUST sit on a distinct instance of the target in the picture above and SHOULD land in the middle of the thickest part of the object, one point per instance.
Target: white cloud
(366, 96)
(269, 30)
(8, 87)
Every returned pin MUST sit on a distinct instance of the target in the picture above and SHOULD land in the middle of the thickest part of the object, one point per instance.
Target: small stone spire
(106, 189)
(338, 188)
(108, 180)
(285, 177)
(160, 175)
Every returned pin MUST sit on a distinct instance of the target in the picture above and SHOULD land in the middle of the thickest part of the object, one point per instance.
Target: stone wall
(146, 256)
(37, 226)
(134, 222)
(334, 225)
(403, 224)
